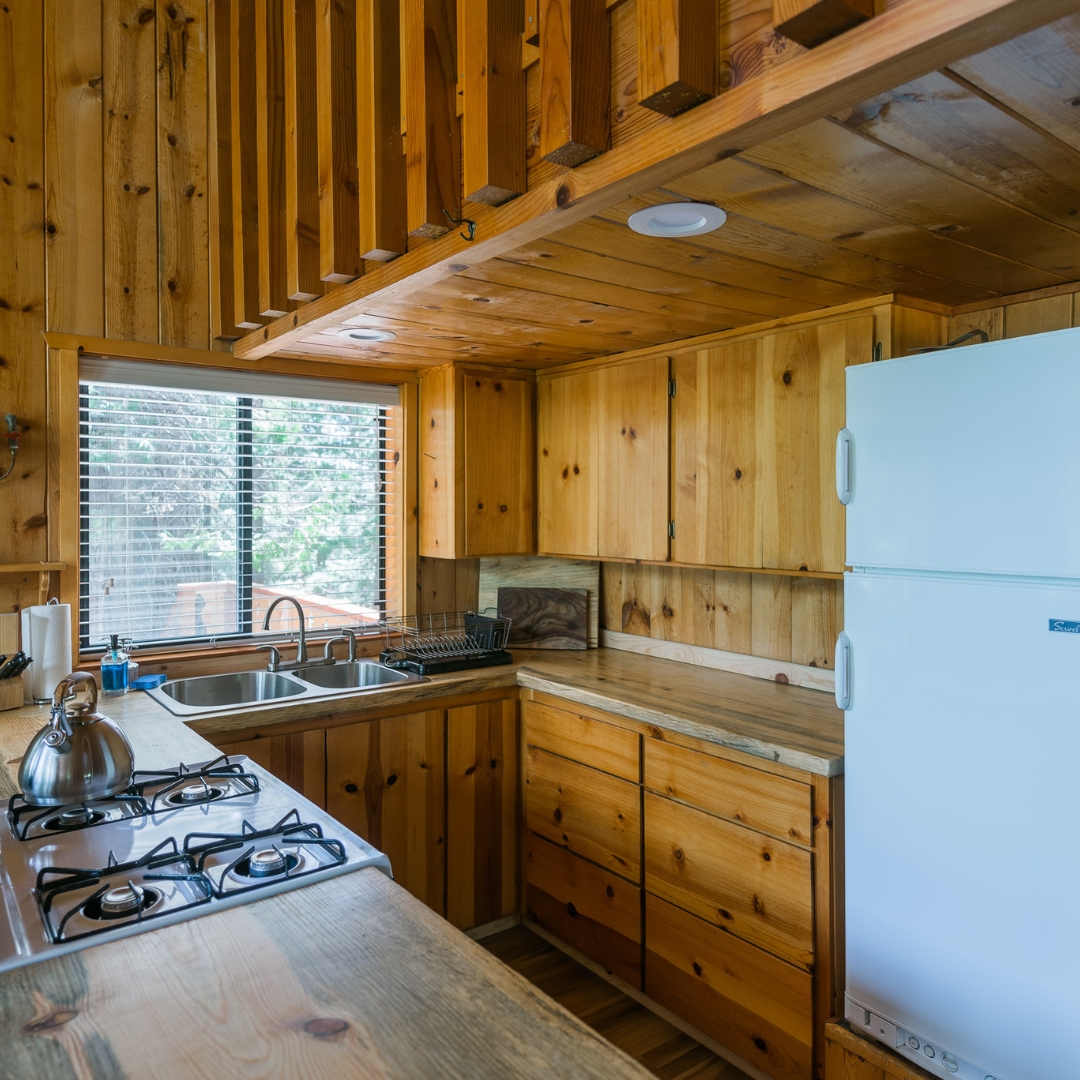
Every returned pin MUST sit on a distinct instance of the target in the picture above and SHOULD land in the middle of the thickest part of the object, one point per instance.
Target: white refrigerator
(959, 668)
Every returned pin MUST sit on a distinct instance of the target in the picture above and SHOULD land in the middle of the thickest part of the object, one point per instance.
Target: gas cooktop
(176, 844)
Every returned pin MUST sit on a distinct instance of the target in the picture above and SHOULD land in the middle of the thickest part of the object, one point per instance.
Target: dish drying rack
(450, 641)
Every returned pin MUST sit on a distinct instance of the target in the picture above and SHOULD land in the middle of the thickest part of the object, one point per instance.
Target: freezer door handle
(843, 466)
(843, 671)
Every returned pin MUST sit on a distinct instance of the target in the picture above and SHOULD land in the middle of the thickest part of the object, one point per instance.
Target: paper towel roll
(46, 636)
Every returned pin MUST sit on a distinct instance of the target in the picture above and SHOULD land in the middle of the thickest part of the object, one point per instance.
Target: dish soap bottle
(114, 668)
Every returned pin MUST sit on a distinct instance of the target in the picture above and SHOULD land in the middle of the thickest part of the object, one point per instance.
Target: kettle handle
(58, 722)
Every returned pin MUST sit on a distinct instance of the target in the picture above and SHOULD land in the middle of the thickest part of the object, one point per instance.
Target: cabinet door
(499, 502)
(634, 456)
(299, 759)
(385, 782)
(586, 740)
(481, 825)
(567, 476)
(803, 402)
(715, 456)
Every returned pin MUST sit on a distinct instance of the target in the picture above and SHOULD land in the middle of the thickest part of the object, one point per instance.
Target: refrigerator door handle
(843, 466)
(843, 671)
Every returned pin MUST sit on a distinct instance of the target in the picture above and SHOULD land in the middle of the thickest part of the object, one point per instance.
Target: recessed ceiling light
(677, 219)
(364, 335)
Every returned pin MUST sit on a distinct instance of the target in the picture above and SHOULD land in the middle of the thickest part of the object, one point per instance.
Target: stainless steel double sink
(215, 693)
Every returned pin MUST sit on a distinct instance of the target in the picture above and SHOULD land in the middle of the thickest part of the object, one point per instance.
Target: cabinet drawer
(603, 746)
(752, 886)
(773, 804)
(588, 812)
(754, 1004)
(596, 912)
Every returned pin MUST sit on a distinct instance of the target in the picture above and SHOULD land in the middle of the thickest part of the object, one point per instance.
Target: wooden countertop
(792, 725)
(350, 977)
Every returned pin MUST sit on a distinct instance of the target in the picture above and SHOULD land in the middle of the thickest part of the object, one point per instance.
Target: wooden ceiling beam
(813, 22)
(676, 54)
(380, 155)
(339, 195)
(303, 279)
(901, 44)
(219, 136)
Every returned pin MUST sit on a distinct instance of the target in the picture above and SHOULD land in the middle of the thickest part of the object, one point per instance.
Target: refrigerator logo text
(1065, 626)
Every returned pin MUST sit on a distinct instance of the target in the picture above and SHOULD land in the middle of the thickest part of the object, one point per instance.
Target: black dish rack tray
(450, 641)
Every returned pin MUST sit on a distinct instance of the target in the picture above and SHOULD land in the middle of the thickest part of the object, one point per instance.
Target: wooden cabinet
(567, 464)
(803, 408)
(299, 759)
(477, 467)
(482, 820)
(385, 781)
(633, 456)
(584, 739)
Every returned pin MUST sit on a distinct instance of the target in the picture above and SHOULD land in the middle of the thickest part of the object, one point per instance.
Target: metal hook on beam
(462, 221)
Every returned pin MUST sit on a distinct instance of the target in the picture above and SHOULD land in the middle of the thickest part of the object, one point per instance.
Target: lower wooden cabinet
(298, 758)
(482, 819)
(594, 911)
(385, 781)
(754, 1003)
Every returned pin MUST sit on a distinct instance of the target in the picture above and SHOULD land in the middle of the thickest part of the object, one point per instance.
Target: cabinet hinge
(671, 388)
(671, 530)
(876, 355)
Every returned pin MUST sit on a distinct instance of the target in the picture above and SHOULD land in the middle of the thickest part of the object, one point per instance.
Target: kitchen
(589, 333)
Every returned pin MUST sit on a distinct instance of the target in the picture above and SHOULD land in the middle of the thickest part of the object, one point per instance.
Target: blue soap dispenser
(114, 669)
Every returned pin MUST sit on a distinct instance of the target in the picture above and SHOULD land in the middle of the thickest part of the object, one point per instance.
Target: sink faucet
(301, 646)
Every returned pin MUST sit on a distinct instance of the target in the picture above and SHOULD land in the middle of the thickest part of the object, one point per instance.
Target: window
(207, 494)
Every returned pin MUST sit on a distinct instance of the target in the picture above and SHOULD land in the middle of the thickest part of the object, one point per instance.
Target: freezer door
(962, 817)
(967, 460)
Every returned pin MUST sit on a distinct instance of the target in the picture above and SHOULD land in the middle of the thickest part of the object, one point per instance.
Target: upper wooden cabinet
(476, 463)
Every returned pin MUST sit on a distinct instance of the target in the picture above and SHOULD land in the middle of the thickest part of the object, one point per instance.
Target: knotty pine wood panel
(442, 468)
(755, 1004)
(754, 887)
(447, 585)
(802, 395)
(129, 62)
(481, 819)
(590, 909)
(183, 187)
(588, 812)
(714, 478)
(760, 800)
(301, 152)
(499, 483)
(75, 295)
(583, 739)
(567, 465)
(385, 780)
(299, 759)
(22, 282)
(270, 152)
(633, 451)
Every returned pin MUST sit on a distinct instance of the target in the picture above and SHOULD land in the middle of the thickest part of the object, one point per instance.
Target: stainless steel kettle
(79, 755)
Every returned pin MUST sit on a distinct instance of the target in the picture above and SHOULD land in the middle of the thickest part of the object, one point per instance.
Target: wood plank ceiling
(958, 187)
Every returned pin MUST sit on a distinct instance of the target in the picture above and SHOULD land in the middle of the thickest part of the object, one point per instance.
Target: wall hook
(12, 436)
(462, 221)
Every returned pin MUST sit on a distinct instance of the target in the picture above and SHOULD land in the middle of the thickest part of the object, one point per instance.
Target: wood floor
(660, 1047)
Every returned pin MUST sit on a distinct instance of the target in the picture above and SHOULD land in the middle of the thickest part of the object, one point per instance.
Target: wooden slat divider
(339, 205)
(676, 54)
(494, 86)
(244, 146)
(219, 141)
(433, 145)
(183, 270)
(575, 80)
(270, 147)
(380, 156)
(301, 153)
(130, 170)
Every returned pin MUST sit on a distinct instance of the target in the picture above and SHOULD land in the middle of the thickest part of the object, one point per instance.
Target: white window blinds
(204, 500)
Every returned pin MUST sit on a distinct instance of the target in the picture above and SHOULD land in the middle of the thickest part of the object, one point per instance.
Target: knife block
(11, 690)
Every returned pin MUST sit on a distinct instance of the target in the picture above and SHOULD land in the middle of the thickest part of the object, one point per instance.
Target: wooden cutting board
(546, 618)
(530, 571)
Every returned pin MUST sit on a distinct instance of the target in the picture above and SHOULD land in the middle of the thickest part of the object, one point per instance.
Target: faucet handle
(328, 646)
(274, 663)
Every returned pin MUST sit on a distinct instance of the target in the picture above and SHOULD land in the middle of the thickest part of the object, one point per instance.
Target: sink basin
(239, 688)
(354, 675)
